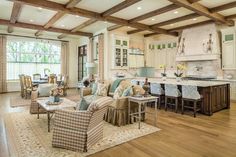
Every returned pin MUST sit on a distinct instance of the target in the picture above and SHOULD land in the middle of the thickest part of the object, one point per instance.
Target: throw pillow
(82, 104)
(102, 89)
(118, 92)
(128, 91)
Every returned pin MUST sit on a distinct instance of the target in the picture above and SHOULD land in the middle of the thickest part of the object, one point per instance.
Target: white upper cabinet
(228, 48)
(120, 52)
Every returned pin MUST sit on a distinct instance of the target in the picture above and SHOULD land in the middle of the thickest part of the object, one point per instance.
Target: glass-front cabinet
(120, 49)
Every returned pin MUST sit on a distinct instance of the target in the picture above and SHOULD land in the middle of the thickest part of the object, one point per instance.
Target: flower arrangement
(56, 92)
(163, 66)
(179, 72)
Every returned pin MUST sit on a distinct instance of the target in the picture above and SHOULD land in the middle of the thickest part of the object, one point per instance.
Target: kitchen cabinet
(228, 49)
(136, 60)
(120, 52)
(162, 52)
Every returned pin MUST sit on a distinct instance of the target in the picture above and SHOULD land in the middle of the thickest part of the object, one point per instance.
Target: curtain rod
(33, 37)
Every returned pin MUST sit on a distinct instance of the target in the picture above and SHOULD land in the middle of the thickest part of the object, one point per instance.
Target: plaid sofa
(79, 130)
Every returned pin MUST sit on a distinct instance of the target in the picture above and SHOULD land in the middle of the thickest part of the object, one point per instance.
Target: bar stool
(172, 93)
(157, 90)
(191, 94)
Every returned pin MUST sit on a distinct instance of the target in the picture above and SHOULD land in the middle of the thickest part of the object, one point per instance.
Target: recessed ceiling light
(105, 21)
(31, 20)
(171, 24)
(77, 16)
(39, 8)
(153, 19)
(176, 12)
(139, 8)
(129, 27)
(194, 19)
(63, 25)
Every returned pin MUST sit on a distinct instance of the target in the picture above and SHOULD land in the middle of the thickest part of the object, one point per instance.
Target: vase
(178, 79)
(54, 98)
(163, 78)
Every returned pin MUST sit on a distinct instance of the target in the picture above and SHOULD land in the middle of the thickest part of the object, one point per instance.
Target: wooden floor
(180, 135)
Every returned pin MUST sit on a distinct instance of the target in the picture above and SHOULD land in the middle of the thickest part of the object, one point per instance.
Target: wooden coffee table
(50, 109)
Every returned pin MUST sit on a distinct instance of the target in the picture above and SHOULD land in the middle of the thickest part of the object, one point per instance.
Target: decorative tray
(54, 103)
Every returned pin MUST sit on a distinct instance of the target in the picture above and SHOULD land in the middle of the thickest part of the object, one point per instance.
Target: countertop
(185, 82)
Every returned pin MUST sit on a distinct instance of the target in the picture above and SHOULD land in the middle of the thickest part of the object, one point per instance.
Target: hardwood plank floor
(180, 135)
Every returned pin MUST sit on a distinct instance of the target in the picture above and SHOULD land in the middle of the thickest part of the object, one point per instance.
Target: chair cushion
(82, 104)
(44, 89)
(94, 87)
(114, 85)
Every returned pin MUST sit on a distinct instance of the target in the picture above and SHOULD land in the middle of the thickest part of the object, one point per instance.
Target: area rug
(27, 136)
(21, 102)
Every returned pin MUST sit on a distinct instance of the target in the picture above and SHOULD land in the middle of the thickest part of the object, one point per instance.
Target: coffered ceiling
(85, 17)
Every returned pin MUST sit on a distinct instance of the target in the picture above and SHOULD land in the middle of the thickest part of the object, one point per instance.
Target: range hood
(199, 43)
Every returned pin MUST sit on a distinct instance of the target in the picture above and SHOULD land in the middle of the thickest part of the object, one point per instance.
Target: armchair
(79, 130)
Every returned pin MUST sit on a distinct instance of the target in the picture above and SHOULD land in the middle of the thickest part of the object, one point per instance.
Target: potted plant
(179, 72)
(163, 66)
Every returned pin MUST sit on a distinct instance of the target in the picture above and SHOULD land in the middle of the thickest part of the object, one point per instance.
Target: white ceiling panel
(126, 29)
(214, 3)
(228, 12)
(2, 27)
(166, 16)
(5, 9)
(34, 15)
(97, 26)
(146, 6)
(98, 5)
(69, 21)
(187, 22)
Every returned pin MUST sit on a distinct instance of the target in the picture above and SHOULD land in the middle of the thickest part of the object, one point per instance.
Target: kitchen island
(216, 95)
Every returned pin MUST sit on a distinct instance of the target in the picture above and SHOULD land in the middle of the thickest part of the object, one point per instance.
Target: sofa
(117, 112)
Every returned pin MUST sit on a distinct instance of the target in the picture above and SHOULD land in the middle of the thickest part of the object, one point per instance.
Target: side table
(142, 101)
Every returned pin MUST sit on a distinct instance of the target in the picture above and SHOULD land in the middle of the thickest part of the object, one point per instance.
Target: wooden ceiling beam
(154, 13)
(61, 36)
(38, 27)
(54, 19)
(134, 31)
(190, 25)
(16, 10)
(72, 3)
(193, 1)
(111, 28)
(150, 34)
(89, 14)
(183, 18)
(231, 17)
(223, 7)
(202, 10)
(119, 7)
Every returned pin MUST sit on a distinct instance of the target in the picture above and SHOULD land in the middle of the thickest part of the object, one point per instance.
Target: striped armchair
(79, 130)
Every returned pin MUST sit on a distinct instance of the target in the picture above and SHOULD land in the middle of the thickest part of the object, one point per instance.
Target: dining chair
(172, 96)
(28, 86)
(193, 98)
(22, 85)
(36, 76)
(52, 78)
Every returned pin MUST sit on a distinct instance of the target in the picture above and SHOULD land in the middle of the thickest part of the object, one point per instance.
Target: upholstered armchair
(79, 130)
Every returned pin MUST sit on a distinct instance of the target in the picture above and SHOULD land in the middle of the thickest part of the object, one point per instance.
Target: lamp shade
(146, 72)
(91, 68)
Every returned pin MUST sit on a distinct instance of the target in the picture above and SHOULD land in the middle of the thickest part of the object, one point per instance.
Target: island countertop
(184, 82)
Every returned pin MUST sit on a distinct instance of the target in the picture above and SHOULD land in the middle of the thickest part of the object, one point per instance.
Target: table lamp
(146, 72)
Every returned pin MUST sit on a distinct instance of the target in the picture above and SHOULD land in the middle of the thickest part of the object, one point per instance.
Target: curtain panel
(101, 57)
(64, 58)
(3, 68)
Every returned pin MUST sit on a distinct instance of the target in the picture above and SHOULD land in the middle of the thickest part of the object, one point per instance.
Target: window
(30, 56)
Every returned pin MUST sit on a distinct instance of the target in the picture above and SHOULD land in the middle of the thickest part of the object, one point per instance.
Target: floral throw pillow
(102, 89)
(128, 91)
